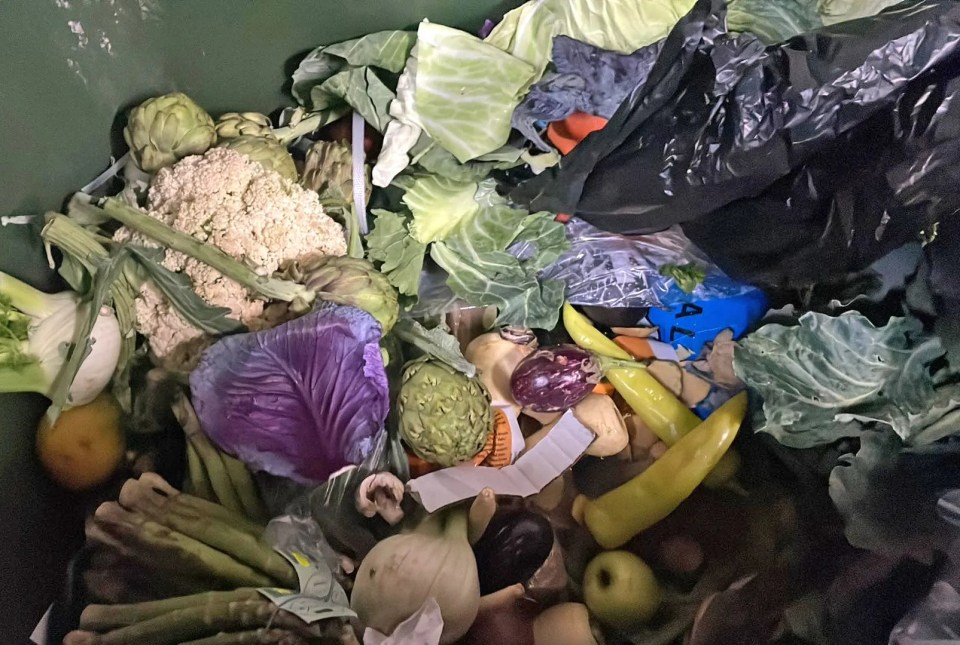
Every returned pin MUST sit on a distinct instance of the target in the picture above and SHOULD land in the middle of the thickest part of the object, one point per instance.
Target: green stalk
(241, 546)
(209, 455)
(196, 475)
(21, 375)
(101, 618)
(195, 622)
(157, 546)
(270, 288)
(303, 127)
(253, 637)
(30, 301)
(245, 488)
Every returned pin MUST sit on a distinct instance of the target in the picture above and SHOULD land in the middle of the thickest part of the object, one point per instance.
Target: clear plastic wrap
(618, 271)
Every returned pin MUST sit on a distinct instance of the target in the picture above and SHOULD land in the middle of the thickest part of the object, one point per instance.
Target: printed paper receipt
(562, 446)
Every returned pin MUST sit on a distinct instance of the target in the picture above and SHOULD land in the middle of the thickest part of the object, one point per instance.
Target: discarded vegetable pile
(568, 334)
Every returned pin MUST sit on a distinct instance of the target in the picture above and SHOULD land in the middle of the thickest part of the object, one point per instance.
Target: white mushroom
(381, 494)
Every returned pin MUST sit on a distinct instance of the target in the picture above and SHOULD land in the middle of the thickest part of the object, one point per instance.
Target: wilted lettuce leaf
(438, 206)
(773, 21)
(334, 78)
(821, 379)
(887, 506)
(301, 400)
(483, 271)
(465, 90)
(399, 254)
(618, 25)
(834, 11)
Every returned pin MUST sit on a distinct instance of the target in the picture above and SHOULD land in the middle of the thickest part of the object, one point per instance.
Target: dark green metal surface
(68, 71)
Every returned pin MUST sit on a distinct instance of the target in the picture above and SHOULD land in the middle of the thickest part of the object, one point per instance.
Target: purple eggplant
(554, 378)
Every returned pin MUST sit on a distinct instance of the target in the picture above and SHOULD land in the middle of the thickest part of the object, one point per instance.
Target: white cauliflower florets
(253, 214)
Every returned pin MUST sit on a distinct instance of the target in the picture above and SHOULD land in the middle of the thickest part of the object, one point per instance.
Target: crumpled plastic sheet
(610, 270)
(587, 79)
(786, 164)
(302, 535)
(935, 620)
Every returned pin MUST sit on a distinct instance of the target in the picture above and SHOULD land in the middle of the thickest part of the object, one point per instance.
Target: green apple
(621, 590)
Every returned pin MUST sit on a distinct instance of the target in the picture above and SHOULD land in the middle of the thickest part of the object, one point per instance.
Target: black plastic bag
(786, 164)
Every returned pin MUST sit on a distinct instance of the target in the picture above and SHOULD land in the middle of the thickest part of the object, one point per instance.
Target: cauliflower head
(226, 199)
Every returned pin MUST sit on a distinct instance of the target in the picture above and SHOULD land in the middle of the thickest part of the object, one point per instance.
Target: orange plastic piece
(604, 387)
(566, 134)
(637, 347)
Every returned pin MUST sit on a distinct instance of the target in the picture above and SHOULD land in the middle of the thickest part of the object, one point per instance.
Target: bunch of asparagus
(176, 542)
(185, 540)
(213, 618)
(212, 474)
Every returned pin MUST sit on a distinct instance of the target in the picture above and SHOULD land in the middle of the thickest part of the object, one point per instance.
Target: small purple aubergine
(554, 378)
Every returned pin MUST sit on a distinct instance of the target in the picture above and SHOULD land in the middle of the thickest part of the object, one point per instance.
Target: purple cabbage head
(301, 400)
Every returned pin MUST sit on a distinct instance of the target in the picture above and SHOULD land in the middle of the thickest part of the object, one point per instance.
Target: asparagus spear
(219, 480)
(245, 487)
(191, 623)
(196, 475)
(202, 506)
(159, 547)
(254, 637)
(245, 548)
(100, 618)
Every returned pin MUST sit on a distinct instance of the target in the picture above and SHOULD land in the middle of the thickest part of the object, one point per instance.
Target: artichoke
(237, 124)
(267, 151)
(164, 129)
(328, 171)
(445, 416)
(349, 281)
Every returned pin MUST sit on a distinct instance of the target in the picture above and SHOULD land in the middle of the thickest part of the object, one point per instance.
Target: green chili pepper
(615, 517)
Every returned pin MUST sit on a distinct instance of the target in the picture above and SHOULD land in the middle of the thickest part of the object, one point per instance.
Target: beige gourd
(402, 571)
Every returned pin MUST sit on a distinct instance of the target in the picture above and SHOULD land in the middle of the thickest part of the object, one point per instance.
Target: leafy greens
(822, 379)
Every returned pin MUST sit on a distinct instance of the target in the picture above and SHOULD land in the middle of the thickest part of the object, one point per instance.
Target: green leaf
(465, 90)
(432, 157)
(622, 25)
(687, 276)
(483, 272)
(385, 49)
(359, 88)
(437, 343)
(108, 271)
(886, 505)
(824, 378)
(773, 21)
(438, 206)
(177, 288)
(399, 254)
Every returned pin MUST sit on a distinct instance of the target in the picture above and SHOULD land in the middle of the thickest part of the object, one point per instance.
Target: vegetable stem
(270, 288)
(21, 376)
(31, 301)
(105, 617)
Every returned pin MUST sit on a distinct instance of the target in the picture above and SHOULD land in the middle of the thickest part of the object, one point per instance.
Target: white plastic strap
(359, 176)
(106, 175)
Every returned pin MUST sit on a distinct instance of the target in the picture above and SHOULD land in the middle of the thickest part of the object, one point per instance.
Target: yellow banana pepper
(617, 516)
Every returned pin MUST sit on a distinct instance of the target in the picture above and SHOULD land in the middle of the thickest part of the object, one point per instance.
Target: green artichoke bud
(266, 151)
(328, 171)
(349, 281)
(237, 124)
(162, 130)
(445, 416)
